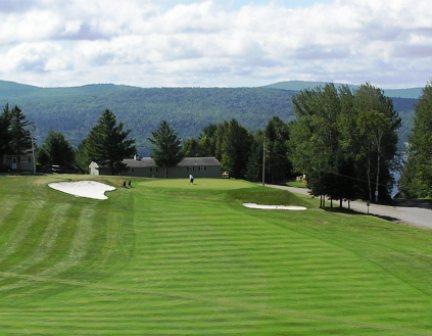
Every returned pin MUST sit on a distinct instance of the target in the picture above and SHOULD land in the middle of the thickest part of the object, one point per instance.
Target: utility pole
(263, 163)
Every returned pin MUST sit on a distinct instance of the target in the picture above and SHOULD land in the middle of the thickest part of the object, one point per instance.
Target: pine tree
(20, 139)
(5, 135)
(167, 149)
(108, 144)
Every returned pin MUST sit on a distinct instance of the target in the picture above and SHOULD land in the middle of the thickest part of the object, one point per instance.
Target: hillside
(411, 93)
(74, 110)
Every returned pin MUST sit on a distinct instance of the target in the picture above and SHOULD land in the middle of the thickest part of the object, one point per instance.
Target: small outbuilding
(94, 168)
(197, 166)
(20, 162)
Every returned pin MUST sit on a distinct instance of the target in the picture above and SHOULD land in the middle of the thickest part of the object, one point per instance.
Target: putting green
(200, 184)
(163, 259)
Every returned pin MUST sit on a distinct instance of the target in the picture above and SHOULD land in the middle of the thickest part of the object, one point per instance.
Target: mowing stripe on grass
(19, 233)
(257, 308)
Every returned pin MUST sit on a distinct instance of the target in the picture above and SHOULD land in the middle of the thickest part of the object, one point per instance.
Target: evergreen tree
(5, 135)
(56, 150)
(108, 144)
(167, 149)
(20, 139)
(416, 179)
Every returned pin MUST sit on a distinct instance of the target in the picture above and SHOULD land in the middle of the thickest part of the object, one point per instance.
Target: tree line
(344, 142)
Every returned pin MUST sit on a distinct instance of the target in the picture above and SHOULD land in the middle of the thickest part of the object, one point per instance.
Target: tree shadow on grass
(358, 213)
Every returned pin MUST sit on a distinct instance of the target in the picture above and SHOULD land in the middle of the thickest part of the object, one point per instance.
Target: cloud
(203, 43)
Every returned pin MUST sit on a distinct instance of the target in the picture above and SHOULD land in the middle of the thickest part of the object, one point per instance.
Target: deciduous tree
(235, 147)
(56, 150)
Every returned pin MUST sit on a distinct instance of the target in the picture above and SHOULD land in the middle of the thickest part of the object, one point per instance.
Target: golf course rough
(169, 258)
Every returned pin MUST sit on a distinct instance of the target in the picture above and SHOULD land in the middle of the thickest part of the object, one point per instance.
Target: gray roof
(148, 162)
(145, 162)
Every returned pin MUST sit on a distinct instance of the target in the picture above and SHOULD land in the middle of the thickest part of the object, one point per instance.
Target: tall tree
(20, 138)
(377, 123)
(4, 132)
(207, 140)
(254, 164)
(167, 149)
(108, 143)
(278, 166)
(315, 139)
(191, 147)
(416, 179)
(56, 150)
(235, 147)
(339, 136)
(82, 158)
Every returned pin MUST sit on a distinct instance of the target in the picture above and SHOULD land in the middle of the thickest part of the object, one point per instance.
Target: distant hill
(16, 89)
(74, 110)
(412, 93)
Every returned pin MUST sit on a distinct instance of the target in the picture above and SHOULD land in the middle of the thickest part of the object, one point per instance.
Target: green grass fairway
(167, 258)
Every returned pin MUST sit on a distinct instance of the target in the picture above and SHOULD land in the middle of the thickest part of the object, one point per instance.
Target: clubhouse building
(197, 166)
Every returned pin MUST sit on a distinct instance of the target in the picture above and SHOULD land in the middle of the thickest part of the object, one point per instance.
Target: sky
(212, 43)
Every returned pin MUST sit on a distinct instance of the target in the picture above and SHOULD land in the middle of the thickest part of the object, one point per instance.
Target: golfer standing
(191, 179)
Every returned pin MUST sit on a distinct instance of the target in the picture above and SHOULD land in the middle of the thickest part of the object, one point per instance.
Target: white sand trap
(89, 189)
(274, 207)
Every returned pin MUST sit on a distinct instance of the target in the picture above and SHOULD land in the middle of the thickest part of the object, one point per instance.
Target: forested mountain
(413, 93)
(73, 111)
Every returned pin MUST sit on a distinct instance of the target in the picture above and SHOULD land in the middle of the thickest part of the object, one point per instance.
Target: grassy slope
(166, 258)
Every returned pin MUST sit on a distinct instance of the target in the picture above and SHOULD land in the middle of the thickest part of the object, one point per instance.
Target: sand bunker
(89, 189)
(274, 207)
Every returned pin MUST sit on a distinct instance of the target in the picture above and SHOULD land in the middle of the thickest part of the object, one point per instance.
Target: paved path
(419, 217)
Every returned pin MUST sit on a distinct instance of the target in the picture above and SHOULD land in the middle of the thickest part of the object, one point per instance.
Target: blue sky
(215, 43)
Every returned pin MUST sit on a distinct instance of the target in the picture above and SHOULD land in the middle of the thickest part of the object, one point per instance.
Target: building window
(29, 160)
(205, 168)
